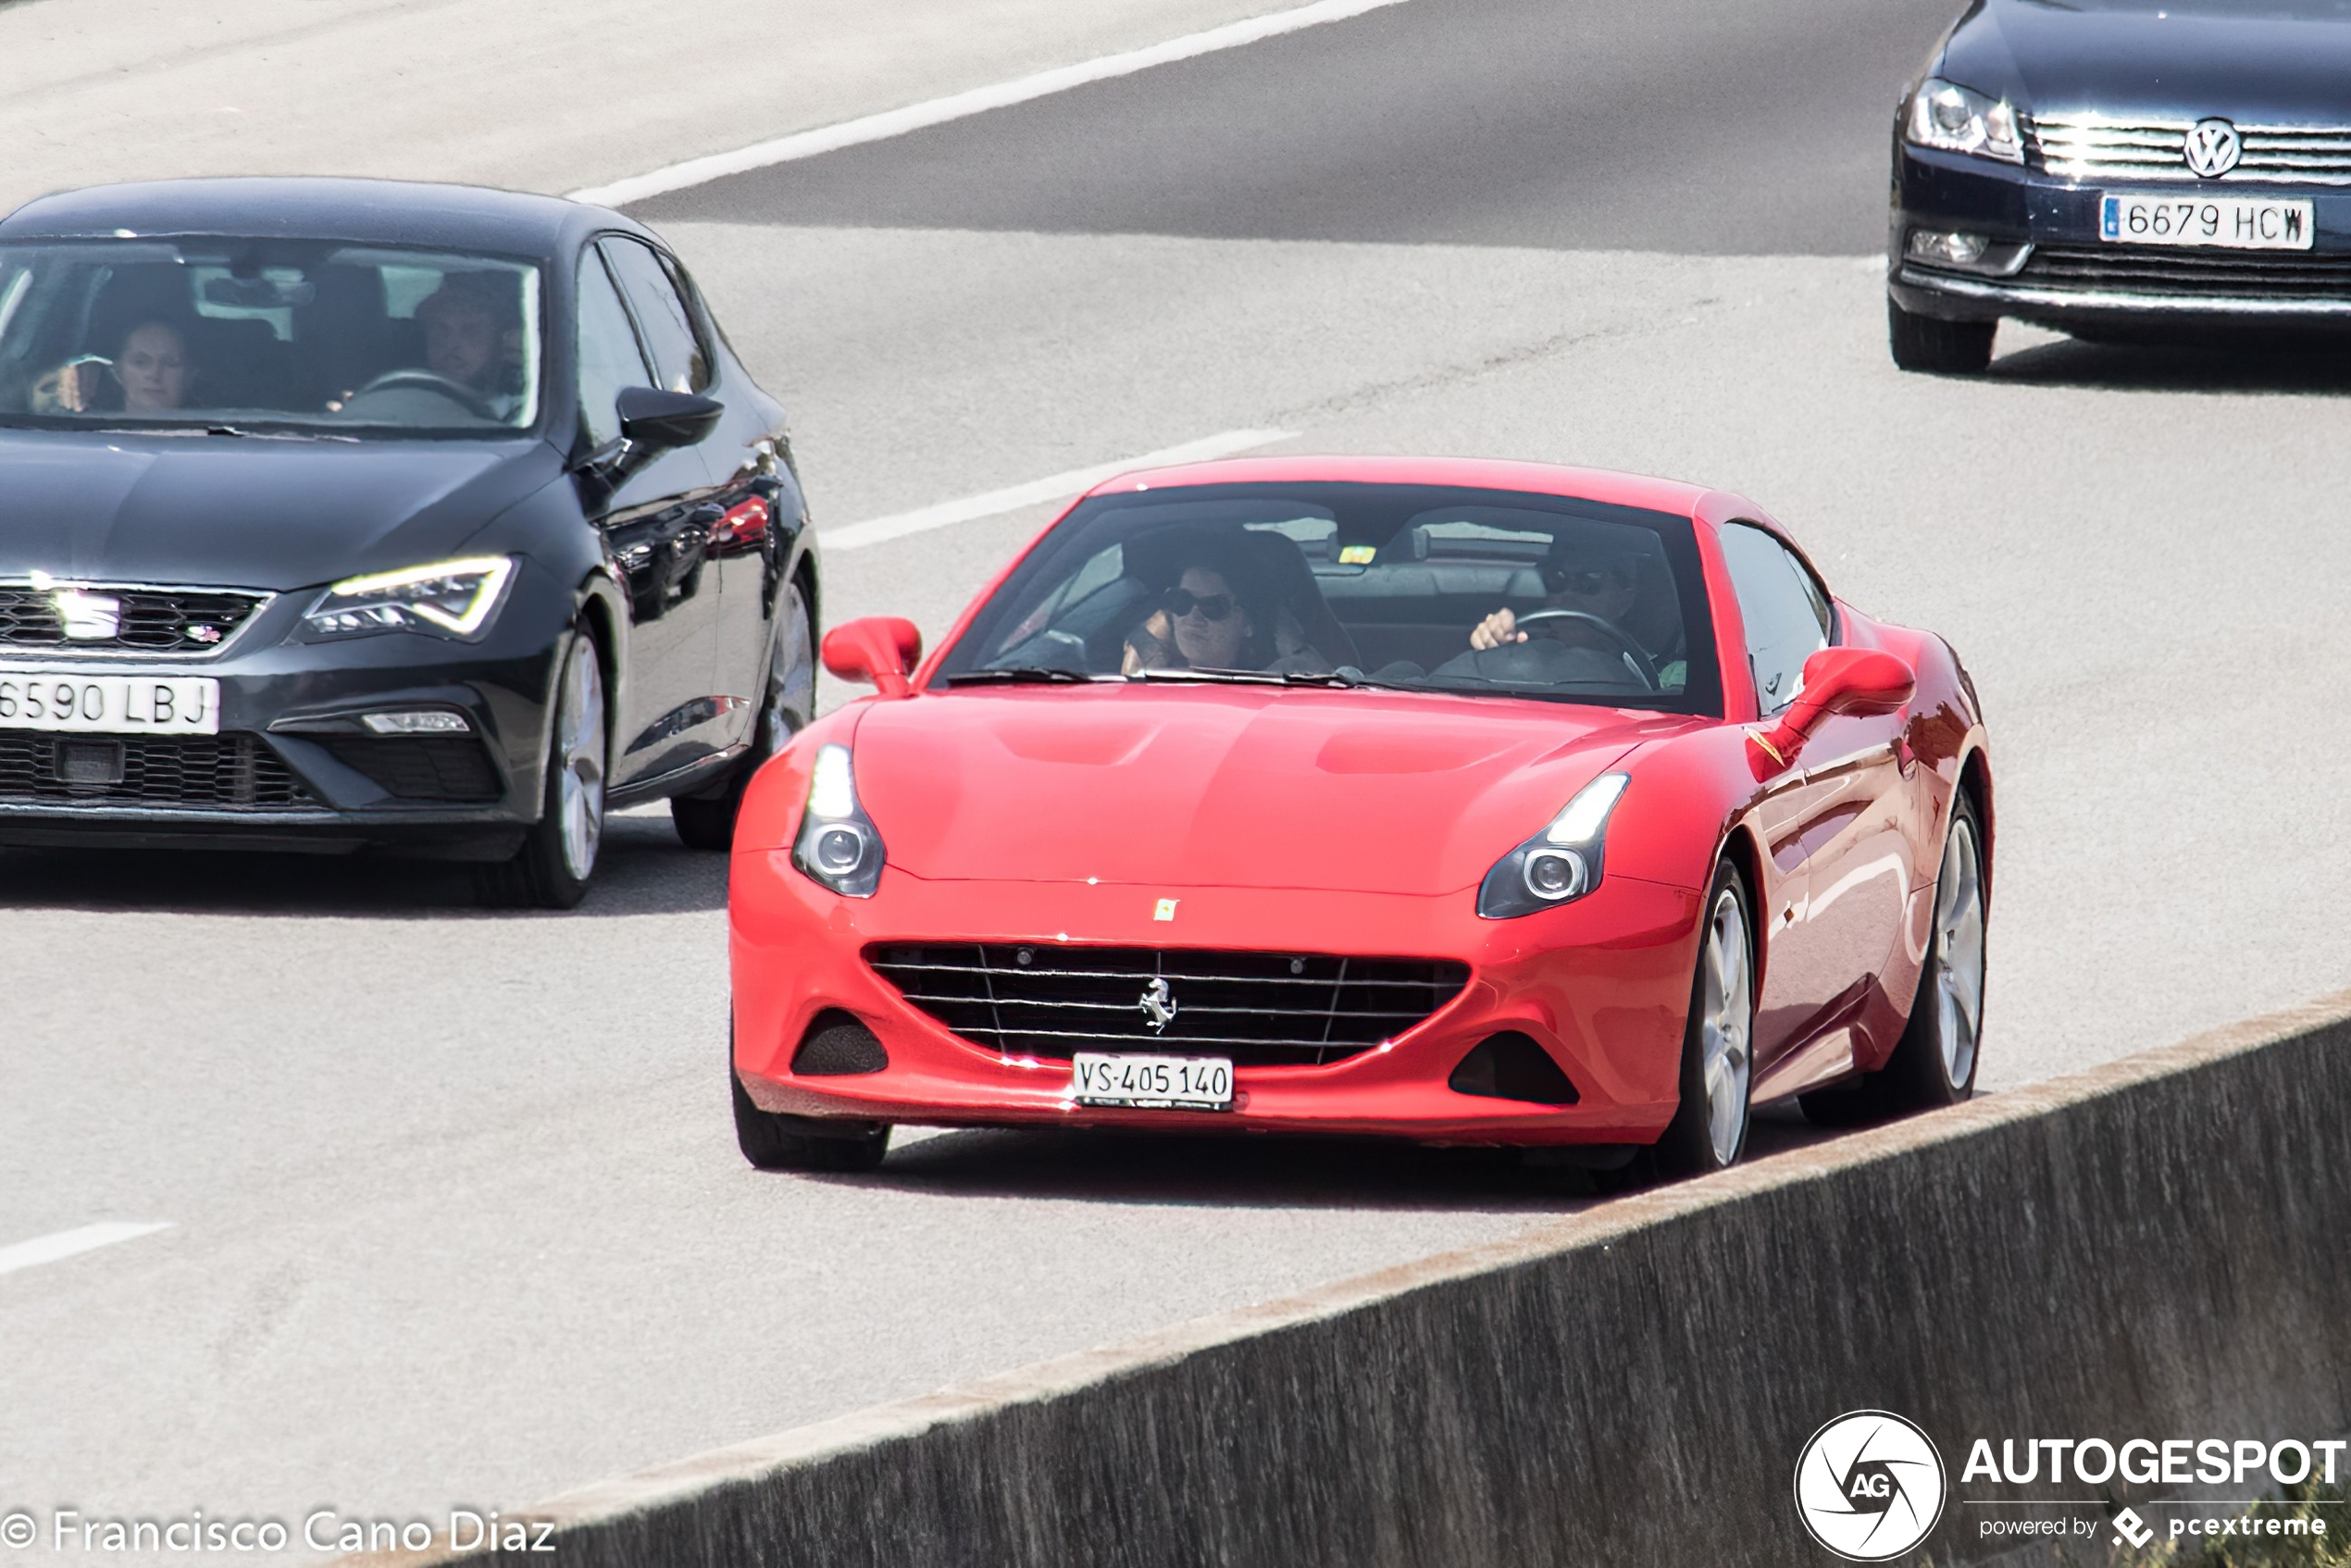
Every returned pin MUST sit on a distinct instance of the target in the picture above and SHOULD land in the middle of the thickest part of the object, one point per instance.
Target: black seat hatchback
(351, 515)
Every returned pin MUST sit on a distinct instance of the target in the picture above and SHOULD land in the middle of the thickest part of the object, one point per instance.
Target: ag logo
(1870, 1486)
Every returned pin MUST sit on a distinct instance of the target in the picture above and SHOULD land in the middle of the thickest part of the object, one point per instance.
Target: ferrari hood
(2280, 62)
(249, 512)
(1198, 785)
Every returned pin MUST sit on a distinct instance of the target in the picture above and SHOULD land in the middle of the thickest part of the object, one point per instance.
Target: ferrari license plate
(101, 701)
(1152, 1083)
(2237, 223)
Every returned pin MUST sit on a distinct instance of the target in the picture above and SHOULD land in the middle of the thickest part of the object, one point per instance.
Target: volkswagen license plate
(2237, 223)
(103, 702)
(1152, 1083)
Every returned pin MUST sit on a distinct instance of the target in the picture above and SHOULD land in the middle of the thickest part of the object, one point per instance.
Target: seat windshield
(1478, 591)
(353, 339)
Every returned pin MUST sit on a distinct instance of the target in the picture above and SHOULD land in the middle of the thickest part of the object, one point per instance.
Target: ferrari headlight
(838, 845)
(1560, 864)
(1946, 116)
(445, 599)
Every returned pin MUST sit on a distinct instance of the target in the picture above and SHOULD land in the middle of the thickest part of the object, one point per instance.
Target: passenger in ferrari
(1201, 623)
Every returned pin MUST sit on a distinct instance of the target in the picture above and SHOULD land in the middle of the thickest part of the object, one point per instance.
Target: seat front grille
(1260, 1009)
(227, 773)
(2150, 269)
(2094, 147)
(144, 620)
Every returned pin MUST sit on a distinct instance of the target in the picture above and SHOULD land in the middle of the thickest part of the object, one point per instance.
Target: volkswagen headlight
(838, 845)
(1560, 864)
(1951, 117)
(446, 599)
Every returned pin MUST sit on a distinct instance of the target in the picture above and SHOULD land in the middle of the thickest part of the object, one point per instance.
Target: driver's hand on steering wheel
(1496, 630)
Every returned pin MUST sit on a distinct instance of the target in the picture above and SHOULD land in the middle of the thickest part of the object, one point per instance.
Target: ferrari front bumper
(1601, 985)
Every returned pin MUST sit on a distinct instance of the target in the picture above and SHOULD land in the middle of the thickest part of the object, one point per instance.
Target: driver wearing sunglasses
(1199, 623)
(1602, 586)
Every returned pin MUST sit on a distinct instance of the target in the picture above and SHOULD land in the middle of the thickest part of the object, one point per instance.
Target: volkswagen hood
(2252, 61)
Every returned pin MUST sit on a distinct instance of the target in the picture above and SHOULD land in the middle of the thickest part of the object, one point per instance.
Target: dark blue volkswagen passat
(342, 515)
(2109, 166)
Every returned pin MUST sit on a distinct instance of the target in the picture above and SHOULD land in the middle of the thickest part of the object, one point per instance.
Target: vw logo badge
(1158, 1005)
(2213, 148)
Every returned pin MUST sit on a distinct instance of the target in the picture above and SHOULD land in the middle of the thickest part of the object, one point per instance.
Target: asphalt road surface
(455, 1214)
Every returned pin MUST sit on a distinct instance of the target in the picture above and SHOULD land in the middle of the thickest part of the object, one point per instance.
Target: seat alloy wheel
(551, 869)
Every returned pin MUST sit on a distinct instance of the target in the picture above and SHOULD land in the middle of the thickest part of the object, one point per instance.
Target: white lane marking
(1057, 487)
(960, 105)
(67, 1243)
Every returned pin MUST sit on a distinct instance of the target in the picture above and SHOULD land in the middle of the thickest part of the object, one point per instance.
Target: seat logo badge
(88, 618)
(2213, 148)
(1158, 1005)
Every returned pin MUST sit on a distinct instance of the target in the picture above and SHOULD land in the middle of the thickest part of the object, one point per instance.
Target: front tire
(773, 1142)
(707, 822)
(1708, 1130)
(1937, 347)
(551, 869)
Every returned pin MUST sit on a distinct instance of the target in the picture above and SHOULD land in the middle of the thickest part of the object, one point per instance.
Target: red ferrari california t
(1465, 801)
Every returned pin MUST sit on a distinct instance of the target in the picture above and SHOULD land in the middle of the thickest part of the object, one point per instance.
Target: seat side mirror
(879, 650)
(1836, 680)
(655, 421)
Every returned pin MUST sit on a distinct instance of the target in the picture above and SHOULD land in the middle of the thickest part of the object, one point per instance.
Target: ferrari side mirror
(877, 649)
(1836, 680)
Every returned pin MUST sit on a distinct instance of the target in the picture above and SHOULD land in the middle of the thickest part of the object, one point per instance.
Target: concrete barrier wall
(2159, 1248)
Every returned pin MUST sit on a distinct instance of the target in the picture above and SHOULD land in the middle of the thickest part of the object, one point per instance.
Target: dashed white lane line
(69, 1243)
(977, 100)
(1056, 487)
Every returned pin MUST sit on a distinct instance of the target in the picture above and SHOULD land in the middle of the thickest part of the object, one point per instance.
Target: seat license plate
(91, 702)
(1152, 1083)
(2236, 223)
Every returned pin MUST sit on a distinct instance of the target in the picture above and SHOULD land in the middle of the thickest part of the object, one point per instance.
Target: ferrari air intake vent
(1260, 1009)
(103, 619)
(1513, 1066)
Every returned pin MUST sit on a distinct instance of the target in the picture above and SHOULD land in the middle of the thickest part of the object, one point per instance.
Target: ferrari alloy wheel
(556, 859)
(1934, 1063)
(707, 822)
(774, 1142)
(1709, 1131)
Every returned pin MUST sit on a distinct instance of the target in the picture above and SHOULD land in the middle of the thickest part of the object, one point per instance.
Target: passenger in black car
(152, 372)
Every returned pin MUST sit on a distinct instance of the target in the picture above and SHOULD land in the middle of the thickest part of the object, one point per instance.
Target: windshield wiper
(243, 433)
(1338, 678)
(1022, 675)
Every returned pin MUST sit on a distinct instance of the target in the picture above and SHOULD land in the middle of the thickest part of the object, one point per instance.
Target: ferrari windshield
(1427, 587)
(318, 335)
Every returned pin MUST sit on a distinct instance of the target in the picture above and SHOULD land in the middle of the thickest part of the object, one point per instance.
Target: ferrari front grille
(106, 618)
(1259, 1009)
(226, 773)
(2094, 147)
(2192, 274)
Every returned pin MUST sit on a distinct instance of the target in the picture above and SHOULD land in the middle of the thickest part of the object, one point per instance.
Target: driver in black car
(473, 336)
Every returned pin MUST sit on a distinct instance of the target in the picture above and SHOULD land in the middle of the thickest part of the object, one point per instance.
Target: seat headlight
(455, 599)
(1951, 117)
(1560, 864)
(838, 845)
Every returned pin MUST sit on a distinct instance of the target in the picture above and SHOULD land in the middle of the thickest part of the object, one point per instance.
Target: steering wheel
(457, 392)
(1643, 665)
